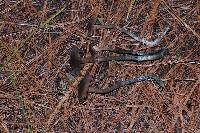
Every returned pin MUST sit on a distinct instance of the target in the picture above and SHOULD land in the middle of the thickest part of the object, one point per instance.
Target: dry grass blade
(21, 103)
(70, 91)
(34, 31)
(130, 8)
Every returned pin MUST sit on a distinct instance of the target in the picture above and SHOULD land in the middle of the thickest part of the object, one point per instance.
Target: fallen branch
(144, 40)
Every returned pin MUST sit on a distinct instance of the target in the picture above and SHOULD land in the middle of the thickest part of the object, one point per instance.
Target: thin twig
(35, 30)
(171, 11)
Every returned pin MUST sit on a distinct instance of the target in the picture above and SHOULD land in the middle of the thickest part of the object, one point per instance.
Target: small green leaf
(99, 21)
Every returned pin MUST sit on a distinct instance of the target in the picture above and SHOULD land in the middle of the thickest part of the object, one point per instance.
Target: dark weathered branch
(125, 51)
(119, 84)
(83, 88)
(137, 58)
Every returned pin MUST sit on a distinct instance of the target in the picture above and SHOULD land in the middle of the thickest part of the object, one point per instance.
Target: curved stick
(83, 88)
(119, 84)
(138, 58)
(143, 40)
(124, 51)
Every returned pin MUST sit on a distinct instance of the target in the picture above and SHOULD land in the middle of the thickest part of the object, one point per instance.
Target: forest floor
(39, 85)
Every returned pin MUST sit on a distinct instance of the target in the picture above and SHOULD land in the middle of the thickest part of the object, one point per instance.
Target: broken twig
(124, 51)
(119, 84)
(144, 40)
(83, 88)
